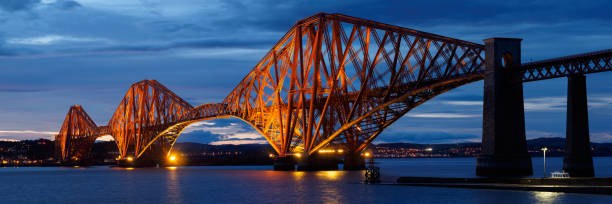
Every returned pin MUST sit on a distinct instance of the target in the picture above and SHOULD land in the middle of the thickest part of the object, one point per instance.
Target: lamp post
(544, 152)
(430, 150)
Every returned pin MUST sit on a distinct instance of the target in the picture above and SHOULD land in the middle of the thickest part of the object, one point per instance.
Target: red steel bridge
(336, 80)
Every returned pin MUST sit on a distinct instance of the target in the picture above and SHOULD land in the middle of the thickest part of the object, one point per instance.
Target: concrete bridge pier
(504, 146)
(317, 162)
(354, 162)
(578, 161)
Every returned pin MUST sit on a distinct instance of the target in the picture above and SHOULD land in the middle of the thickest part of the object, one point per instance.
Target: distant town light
(429, 149)
(271, 155)
(340, 150)
(367, 154)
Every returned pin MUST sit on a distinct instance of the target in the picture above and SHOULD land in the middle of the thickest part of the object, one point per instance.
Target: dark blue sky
(55, 53)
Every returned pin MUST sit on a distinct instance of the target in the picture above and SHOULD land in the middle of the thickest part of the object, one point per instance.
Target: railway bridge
(337, 80)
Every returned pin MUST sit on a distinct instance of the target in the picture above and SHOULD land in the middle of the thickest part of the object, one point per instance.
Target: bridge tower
(504, 146)
(578, 160)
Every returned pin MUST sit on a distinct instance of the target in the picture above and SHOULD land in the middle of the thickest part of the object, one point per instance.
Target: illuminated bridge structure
(336, 80)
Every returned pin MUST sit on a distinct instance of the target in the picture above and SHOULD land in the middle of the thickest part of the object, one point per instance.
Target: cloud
(415, 133)
(61, 4)
(464, 103)
(542, 104)
(427, 137)
(105, 138)
(601, 137)
(68, 4)
(204, 49)
(203, 123)
(17, 5)
(545, 104)
(442, 115)
(532, 134)
(52, 39)
(219, 53)
(20, 89)
(239, 142)
(27, 132)
(216, 48)
(222, 131)
(244, 135)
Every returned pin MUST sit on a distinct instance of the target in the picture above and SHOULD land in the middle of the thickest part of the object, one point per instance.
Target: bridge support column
(578, 161)
(354, 161)
(286, 163)
(317, 162)
(504, 146)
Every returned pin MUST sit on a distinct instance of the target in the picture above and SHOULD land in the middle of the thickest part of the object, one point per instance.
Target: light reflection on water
(258, 184)
(546, 197)
(329, 175)
(173, 185)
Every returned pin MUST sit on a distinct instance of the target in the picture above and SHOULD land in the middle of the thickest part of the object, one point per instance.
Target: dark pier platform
(565, 185)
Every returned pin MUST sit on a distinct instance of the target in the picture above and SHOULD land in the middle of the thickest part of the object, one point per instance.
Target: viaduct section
(335, 81)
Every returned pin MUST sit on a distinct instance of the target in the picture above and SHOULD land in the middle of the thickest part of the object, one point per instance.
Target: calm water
(258, 184)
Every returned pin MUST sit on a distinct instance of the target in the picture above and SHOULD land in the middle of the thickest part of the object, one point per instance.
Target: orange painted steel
(76, 136)
(150, 116)
(330, 80)
(340, 80)
(147, 109)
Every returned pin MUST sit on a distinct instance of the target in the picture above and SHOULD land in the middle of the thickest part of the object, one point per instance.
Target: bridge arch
(331, 79)
(173, 132)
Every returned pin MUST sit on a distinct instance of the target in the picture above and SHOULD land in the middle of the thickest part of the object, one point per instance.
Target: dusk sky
(56, 53)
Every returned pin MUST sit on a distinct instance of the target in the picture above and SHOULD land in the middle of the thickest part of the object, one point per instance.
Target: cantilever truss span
(330, 80)
(149, 118)
(76, 136)
(339, 79)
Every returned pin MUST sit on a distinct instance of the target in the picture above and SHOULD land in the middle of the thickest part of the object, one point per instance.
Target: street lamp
(430, 150)
(544, 152)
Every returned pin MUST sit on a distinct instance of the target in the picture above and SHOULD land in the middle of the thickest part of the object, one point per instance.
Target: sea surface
(259, 184)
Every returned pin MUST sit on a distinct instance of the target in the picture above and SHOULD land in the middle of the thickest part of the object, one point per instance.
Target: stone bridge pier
(504, 146)
(578, 161)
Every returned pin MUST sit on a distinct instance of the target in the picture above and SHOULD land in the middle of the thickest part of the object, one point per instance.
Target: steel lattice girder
(76, 136)
(149, 115)
(564, 66)
(331, 79)
(343, 79)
